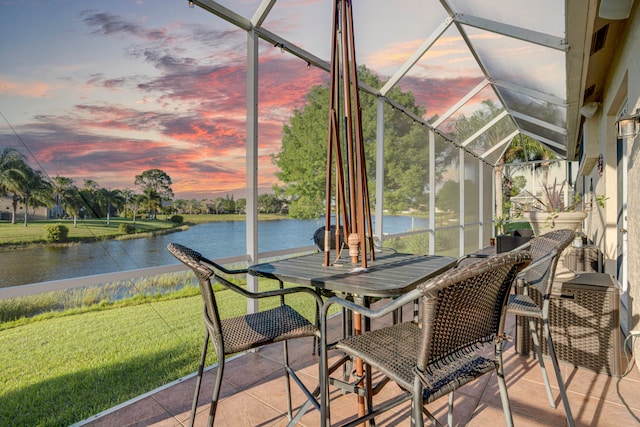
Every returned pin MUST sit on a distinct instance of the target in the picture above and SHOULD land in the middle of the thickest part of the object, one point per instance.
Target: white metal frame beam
(529, 92)
(379, 208)
(473, 92)
(252, 163)
(502, 144)
(539, 122)
(551, 144)
(480, 131)
(409, 63)
(224, 13)
(512, 31)
(261, 12)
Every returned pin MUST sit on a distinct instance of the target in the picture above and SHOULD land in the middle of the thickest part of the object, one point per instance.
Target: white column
(461, 212)
(252, 162)
(379, 168)
(432, 192)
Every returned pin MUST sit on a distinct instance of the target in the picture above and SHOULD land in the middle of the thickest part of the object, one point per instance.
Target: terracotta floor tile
(588, 411)
(253, 394)
(272, 391)
(241, 410)
(527, 398)
(463, 408)
(250, 369)
(146, 412)
(493, 416)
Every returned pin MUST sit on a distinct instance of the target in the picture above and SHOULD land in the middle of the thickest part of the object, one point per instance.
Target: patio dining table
(390, 275)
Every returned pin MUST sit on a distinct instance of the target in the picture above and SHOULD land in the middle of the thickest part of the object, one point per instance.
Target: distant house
(34, 213)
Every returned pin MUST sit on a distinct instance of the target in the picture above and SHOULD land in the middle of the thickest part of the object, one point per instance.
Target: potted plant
(551, 211)
(499, 224)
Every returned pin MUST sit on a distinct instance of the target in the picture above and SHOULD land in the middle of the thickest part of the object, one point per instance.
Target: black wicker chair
(243, 332)
(534, 302)
(463, 309)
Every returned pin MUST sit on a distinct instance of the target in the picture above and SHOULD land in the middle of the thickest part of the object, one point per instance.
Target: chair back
(202, 267)
(466, 307)
(546, 250)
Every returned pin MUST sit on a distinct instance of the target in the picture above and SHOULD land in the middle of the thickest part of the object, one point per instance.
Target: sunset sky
(105, 90)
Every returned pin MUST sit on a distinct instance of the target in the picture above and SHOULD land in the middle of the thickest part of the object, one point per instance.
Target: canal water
(215, 240)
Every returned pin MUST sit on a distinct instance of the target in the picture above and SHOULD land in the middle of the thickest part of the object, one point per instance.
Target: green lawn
(62, 370)
(90, 229)
(97, 229)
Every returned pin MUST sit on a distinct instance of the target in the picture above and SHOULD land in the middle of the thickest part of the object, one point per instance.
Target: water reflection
(216, 240)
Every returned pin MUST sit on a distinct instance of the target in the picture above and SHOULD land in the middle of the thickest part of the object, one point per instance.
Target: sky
(105, 90)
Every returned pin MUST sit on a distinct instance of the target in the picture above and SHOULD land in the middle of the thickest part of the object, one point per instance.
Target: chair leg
(323, 379)
(543, 369)
(369, 387)
(216, 391)
(316, 340)
(502, 385)
(285, 349)
(450, 410)
(196, 395)
(556, 367)
(417, 406)
(347, 331)
(396, 316)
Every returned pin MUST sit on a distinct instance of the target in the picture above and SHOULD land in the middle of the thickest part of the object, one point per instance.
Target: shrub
(178, 219)
(57, 233)
(127, 228)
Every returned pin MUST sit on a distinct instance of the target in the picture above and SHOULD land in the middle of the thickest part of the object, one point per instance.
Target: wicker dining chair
(463, 309)
(532, 305)
(246, 332)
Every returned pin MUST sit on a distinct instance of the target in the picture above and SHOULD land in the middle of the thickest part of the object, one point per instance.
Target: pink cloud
(24, 89)
(193, 122)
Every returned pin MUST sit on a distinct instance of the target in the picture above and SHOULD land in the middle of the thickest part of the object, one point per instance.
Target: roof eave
(580, 18)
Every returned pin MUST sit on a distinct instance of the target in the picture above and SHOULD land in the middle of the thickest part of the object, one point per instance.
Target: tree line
(301, 161)
(30, 187)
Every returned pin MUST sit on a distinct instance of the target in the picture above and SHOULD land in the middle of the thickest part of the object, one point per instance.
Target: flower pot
(543, 222)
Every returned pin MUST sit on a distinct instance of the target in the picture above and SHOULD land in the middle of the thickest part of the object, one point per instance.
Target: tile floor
(253, 394)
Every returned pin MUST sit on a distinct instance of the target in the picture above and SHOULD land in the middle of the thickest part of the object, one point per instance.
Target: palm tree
(127, 201)
(61, 187)
(68, 196)
(136, 202)
(522, 149)
(73, 203)
(12, 170)
(90, 196)
(110, 198)
(153, 200)
(33, 190)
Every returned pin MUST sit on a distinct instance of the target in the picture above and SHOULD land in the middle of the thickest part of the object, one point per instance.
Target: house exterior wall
(34, 213)
(622, 88)
(630, 58)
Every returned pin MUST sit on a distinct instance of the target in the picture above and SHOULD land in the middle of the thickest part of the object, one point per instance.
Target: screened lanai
(464, 99)
(482, 79)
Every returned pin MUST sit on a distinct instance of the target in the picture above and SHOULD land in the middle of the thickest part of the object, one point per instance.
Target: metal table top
(391, 274)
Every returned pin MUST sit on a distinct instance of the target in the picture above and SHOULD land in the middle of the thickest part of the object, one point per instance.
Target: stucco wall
(632, 59)
(6, 209)
(623, 85)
